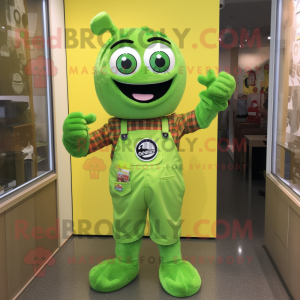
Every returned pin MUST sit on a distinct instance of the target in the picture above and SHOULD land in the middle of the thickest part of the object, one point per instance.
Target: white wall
(60, 111)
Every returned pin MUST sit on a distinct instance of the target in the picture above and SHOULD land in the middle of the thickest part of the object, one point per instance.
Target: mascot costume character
(140, 77)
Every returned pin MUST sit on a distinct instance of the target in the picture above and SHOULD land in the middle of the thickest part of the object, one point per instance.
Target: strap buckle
(124, 136)
(124, 132)
(165, 127)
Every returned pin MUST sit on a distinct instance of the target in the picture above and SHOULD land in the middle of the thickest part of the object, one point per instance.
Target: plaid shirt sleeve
(184, 123)
(103, 136)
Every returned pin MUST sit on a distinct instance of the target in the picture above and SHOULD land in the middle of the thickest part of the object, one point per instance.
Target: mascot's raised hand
(215, 98)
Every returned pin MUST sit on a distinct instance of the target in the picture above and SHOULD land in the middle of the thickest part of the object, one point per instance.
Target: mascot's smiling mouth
(144, 93)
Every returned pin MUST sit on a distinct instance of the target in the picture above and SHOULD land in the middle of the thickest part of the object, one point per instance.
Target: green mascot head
(139, 73)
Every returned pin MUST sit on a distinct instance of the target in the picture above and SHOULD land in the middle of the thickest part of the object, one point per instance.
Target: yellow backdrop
(92, 206)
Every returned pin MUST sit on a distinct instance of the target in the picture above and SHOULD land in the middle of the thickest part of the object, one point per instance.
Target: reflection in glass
(25, 134)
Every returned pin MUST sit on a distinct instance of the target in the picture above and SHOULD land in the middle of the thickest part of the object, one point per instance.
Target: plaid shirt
(179, 125)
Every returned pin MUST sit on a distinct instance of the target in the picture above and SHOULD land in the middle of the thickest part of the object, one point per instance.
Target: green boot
(178, 277)
(113, 274)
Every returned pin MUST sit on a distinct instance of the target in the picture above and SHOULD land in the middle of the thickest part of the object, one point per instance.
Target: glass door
(25, 93)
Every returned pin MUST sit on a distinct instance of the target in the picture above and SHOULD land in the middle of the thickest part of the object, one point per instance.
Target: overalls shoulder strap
(165, 127)
(124, 131)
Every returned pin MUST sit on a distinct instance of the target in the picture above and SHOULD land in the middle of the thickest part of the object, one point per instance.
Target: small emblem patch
(119, 187)
(146, 150)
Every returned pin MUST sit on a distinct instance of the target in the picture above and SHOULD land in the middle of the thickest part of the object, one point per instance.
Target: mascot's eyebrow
(158, 39)
(121, 41)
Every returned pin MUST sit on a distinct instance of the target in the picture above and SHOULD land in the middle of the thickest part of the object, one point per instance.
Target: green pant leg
(164, 199)
(129, 208)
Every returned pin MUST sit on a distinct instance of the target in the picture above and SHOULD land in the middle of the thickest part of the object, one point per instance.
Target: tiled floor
(253, 278)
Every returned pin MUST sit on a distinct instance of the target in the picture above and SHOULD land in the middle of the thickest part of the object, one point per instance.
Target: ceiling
(243, 14)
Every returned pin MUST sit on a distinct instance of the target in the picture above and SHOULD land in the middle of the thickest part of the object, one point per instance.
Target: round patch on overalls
(146, 150)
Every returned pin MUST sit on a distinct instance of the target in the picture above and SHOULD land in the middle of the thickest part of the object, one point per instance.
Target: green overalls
(156, 182)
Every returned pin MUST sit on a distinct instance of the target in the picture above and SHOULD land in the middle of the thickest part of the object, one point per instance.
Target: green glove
(76, 137)
(215, 98)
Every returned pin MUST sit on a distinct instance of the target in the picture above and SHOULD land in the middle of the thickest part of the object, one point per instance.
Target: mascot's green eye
(159, 58)
(126, 63)
(159, 61)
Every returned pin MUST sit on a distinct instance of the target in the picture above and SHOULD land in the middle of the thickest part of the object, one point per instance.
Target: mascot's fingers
(77, 114)
(208, 79)
(73, 127)
(76, 134)
(90, 118)
(229, 79)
